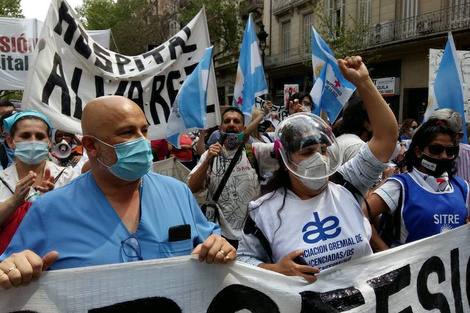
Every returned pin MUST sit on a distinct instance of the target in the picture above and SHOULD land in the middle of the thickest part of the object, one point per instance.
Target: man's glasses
(451, 151)
(131, 248)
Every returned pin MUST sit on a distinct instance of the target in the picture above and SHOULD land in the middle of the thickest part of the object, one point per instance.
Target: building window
(410, 11)
(364, 11)
(286, 39)
(335, 10)
(308, 29)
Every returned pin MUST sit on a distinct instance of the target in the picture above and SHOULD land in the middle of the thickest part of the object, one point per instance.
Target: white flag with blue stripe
(189, 108)
(330, 89)
(447, 91)
(250, 80)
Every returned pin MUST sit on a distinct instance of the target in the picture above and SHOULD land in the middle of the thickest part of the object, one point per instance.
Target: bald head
(102, 113)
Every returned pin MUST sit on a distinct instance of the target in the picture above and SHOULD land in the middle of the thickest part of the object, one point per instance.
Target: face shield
(308, 147)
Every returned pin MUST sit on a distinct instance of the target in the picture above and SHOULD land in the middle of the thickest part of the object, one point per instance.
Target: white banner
(429, 275)
(435, 56)
(71, 69)
(18, 38)
(171, 167)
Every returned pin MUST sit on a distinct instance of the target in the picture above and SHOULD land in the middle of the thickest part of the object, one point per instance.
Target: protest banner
(18, 38)
(432, 274)
(171, 167)
(70, 69)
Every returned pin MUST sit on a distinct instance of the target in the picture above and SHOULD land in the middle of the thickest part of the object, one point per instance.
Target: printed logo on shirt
(447, 221)
(318, 230)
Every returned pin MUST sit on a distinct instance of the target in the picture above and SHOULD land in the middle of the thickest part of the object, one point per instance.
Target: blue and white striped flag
(250, 80)
(447, 92)
(330, 89)
(189, 108)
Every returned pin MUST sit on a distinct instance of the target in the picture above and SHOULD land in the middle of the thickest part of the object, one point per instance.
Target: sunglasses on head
(438, 149)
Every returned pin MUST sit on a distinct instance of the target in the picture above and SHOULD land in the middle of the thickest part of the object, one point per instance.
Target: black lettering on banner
(172, 92)
(338, 300)
(77, 75)
(178, 41)
(56, 79)
(81, 46)
(157, 98)
(121, 88)
(102, 53)
(65, 16)
(428, 300)
(139, 64)
(235, 298)
(189, 69)
(155, 53)
(121, 61)
(99, 86)
(137, 86)
(144, 305)
(455, 272)
(389, 284)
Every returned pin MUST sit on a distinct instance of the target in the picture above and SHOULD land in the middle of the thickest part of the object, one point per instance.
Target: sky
(38, 8)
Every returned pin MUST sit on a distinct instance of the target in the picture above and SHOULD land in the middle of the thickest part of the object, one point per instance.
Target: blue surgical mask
(233, 139)
(31, 152)
(134, 159)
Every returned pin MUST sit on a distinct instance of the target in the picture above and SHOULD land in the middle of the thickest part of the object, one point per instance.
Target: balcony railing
(288, 57)
(254, 4)
(280, 5)
(453, 18)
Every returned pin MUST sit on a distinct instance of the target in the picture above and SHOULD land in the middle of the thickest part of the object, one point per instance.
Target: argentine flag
(330, 89)
(250, 80)
(189, 108)
(447, 92)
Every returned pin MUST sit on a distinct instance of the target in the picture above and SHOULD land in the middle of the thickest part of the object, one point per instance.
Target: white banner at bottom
(428, 275)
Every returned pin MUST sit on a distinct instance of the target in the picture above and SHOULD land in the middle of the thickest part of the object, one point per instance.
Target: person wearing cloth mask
(76, 148)
(31, 174)
(299, 198)
(7, 154)
(121, 212)
(429, 199)
(408, 127)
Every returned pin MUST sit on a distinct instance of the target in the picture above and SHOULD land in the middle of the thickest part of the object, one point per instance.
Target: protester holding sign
(120, 212)
(30, 175)
(308, 155)
(428, 199)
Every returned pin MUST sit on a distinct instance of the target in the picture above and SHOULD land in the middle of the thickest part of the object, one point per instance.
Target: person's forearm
(7, 208)
(383, 121)
(196, 182)
(254, 124)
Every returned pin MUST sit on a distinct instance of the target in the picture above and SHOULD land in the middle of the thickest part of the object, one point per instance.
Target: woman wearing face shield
(310, 223)
(31, 174)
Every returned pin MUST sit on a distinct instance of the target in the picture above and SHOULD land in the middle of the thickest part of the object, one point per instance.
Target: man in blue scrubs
(117, 212)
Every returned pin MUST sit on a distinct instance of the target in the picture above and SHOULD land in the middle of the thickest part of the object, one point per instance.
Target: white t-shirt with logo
(330, 228)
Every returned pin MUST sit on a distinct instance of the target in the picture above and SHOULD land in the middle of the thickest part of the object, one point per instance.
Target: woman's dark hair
(354, 116)
(423, 137)
(14, 128)
(405, 126)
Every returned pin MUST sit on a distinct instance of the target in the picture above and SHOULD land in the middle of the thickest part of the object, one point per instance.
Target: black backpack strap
(6, 185)
(397, 217)
(3, 156)
(57, 177)
(251, 228)
(252, 158)
(338, 179)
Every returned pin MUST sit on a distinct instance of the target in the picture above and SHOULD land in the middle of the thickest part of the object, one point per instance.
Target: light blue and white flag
(447, 91)
(189, 108)
(250, 80)
(330, 89)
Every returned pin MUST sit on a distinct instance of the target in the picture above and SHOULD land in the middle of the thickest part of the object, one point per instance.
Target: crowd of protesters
(72, 201)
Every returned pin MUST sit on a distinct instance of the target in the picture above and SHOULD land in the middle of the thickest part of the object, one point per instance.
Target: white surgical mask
(317, 165)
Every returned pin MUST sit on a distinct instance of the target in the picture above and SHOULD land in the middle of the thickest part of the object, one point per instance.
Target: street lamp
(262, 35)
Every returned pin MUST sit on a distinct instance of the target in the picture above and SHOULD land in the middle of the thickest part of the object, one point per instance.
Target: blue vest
(426, 214)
